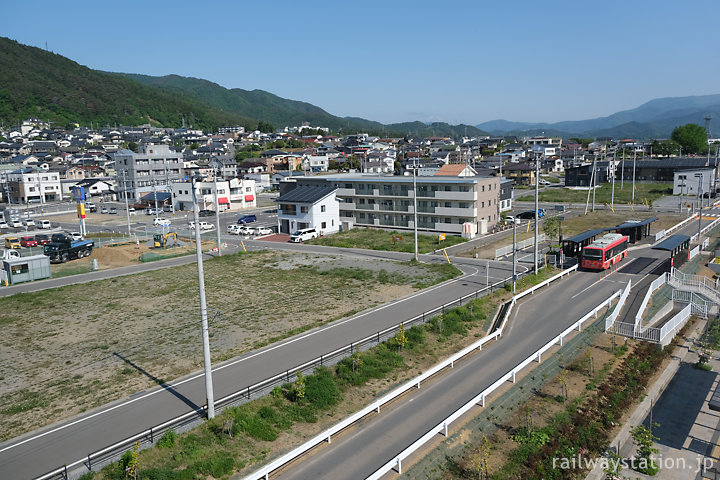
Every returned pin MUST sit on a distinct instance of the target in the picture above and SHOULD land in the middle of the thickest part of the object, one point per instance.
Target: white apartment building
(233, 194)
(32, 186)
(309, 207)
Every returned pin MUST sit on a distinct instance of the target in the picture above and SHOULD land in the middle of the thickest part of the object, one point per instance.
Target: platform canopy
(581, 237)
(671, 242)
(631, 224)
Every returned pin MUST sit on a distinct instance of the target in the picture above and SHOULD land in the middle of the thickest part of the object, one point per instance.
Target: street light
(203, 306)
(415, 209)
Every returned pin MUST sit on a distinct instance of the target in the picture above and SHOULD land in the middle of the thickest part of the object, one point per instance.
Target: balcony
(443, 195)
(456, 212)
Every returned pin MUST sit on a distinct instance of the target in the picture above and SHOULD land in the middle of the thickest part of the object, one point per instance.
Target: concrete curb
(641, 411)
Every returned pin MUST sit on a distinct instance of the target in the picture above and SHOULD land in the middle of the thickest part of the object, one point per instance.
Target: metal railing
(502, 251)
(675, 323)
(679, 280)
(480, 398)
(616, 311)
(657, 283)
(148, 436)
(699, 306)
(416, 382)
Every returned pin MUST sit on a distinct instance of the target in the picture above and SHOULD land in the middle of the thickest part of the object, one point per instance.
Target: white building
(154, 168)
(235, 194)
(309, 207)
(687, 182)
(31, 186)
(316, 163)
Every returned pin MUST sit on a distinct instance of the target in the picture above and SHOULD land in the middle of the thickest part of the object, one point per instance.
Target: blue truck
(63, 248)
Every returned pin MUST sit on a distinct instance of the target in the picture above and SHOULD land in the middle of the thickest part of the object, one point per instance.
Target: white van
(44, 224)
(304, 234)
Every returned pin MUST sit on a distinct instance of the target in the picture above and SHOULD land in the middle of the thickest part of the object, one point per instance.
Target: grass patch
(643, 192)
(376, 239)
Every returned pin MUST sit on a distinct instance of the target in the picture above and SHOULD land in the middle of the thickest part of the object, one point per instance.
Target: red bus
(605, 252)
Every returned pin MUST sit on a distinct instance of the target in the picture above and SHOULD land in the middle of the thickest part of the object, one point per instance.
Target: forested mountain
(36, 83)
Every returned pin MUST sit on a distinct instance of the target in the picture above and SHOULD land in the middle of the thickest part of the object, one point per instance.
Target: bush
(321, 391)
(167, 440)
(254, 425)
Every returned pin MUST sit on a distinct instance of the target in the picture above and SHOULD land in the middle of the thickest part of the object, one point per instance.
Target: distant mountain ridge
(653, 119)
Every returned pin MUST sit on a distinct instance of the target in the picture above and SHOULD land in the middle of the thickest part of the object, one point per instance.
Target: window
(303, 209)
(322, 209)
(483, 188)
(323, 225)
(482, 204)
(448, 204)
(464, 205)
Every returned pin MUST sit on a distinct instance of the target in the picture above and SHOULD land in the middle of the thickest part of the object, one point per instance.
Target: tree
(644, 441)
(132, 146)
(582, 141)
(665, 148)
(691, 137)
(551, 227)
(479, 458)
(265, 127)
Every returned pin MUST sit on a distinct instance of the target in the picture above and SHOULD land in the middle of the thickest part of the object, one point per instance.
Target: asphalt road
(72, 440)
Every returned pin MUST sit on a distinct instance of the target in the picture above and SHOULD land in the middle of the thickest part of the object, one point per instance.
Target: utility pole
(622, 172)
(514, 275)
(632, 200)
(594, 183)
(125, 194)
(612, 196)
(537, 216)
(217, 211)
(203, 309)
(415, 223)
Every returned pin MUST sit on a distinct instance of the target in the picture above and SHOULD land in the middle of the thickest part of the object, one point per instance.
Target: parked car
(203, 225)
(131, 211)
(16, 224)
(90, 206)
(29, 222)
(167, 208)
(233, 229)
(544, 182)
(44, 224)
(74, 235)
(206, 213)
(42, 239)
(104, 210)
(509, 219)
(28, 241)
(12, 242)
(247, 219)
(113, 211)
(161, 222)
(4, 225)
(264, 230)
(303, 235)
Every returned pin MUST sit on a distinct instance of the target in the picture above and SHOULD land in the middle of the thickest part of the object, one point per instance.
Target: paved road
(72, 440)
(538, 318)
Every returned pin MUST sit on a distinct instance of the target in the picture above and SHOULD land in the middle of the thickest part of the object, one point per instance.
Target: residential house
(232, 194)
(309, 206)
(29, 185)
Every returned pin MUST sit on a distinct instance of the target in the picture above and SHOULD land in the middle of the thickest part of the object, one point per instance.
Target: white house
(233, 194)
(309, 207)
(31, 186)
(316, 163)
(687, 182)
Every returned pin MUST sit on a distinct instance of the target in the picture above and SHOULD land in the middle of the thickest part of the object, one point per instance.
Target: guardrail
(442, 427)
(262, 388)
(678, 225)
(416, 382)
(502, 251)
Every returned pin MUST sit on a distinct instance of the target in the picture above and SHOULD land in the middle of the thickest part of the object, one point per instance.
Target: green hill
(40, 84)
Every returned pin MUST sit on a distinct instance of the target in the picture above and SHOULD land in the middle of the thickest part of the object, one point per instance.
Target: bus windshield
(592, 254)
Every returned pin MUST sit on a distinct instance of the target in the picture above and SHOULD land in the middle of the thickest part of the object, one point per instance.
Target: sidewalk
(689, 431)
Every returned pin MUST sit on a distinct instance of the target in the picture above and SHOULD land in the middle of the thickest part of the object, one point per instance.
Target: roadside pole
(217, 212)
(537, 216)
(514, 276)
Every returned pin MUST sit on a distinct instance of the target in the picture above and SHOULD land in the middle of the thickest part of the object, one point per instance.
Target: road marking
(189, 379)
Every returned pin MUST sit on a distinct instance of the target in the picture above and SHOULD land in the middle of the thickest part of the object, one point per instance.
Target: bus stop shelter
(572, 247)
(636, 230)
(678, 247)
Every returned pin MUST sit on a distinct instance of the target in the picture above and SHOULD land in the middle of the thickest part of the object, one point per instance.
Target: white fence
(416, 382)
(657, 283)
(502, 251)
(699, 306)
(676, 226)
(479, 399)
(660, 234)
(694, 252)
(613, 316)
(667, 332)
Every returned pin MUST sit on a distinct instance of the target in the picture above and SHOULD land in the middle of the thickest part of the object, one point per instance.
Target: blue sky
(394, 61)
